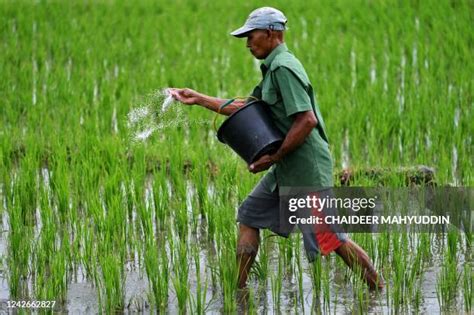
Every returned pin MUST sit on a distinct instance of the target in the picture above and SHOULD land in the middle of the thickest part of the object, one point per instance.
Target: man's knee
(247, 230)
(248, 240)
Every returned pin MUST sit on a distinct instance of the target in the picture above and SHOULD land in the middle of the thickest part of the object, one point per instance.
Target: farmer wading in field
(302, 160)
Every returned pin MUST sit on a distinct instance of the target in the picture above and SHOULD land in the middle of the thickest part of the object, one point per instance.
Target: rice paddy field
(100, 222)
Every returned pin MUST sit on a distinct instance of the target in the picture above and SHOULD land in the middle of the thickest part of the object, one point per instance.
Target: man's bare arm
(300, 129)
(191, 97)
(303, 124)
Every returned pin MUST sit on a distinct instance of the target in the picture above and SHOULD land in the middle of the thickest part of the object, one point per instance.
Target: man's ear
(269, 33)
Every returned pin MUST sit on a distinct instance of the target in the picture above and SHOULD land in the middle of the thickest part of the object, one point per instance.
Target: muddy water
(82, 296)
(4, 292)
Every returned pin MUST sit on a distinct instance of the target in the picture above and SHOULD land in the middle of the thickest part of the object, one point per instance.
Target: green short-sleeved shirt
(287, 90)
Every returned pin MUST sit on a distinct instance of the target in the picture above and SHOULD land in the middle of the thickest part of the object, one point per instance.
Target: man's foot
(357, 259)
(375, 281)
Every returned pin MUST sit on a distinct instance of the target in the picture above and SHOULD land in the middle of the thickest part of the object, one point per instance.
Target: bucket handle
(227, 103)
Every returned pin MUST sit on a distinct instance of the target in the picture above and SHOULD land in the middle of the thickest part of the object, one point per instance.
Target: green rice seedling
(299, 266)
(212, 263)
(211, 213)
(3, 191)
(361, 294)
(388, 293)
(90, 266)
(60, 187)
(192, 206)
(144, 213)
(316, 276)
(285, 250)
(201, 183)
(335, 297)
(178, 203)
(181, 220)
(260, 268)
(160, 200)
(50, 259)
(424, 247)
(399, 265)
(51, 278)
(326, 284)
(113, 281)
(129, 202)
(228, 175)
(228, 273)
(19, 250)
(76, 225)
(452, 244)
(383, 247)
(156, 266)
(276, 286)
(114, 221)
(180, 279)
(25, 190)
(447, 282)
(468, 237)
(417, 299)
(251, 308)
(406, 280)
(295, 305)
(416, 268)
(58, 281)
(468, 287)
(69, 83)
(176, 173)
(369, 244)
(198, 303)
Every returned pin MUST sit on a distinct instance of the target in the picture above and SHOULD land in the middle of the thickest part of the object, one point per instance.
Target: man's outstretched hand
(186, 96)
(263, 163)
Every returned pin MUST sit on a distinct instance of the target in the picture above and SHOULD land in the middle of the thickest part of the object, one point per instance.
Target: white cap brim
(242, 31)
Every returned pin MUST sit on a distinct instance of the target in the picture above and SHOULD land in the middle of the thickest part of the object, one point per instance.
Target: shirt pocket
(270, 96)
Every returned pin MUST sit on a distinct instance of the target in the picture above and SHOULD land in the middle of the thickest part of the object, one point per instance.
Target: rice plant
(103, 174)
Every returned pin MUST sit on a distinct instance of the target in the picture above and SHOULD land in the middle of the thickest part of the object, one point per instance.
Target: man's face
(259, 43)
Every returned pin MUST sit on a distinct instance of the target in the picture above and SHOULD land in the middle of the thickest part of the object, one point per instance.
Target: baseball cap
(262, 18)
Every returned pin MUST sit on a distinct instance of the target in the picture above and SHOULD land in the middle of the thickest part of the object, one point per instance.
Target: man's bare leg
(353, 254)
(247, 247)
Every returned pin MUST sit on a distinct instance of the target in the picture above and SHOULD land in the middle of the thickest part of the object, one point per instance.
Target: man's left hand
(262, 163)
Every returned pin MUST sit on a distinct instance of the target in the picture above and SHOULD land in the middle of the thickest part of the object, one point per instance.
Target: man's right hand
(186, 96)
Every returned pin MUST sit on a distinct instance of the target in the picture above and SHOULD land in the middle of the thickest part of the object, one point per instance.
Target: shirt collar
(268, 61)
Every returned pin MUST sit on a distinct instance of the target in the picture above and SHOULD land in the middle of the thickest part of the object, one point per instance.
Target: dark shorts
(261, 210)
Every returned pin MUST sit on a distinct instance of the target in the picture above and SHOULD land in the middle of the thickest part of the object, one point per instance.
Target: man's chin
(256, 56)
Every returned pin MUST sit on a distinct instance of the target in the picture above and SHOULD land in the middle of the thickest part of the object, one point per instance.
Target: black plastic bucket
(250, 132)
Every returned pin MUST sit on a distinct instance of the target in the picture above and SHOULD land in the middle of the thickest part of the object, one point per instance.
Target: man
(302, 160)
